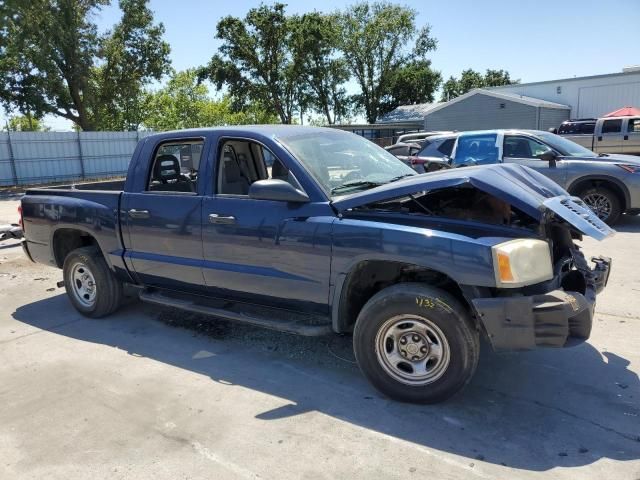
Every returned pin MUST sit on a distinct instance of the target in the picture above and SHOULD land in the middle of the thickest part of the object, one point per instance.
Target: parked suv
(608, 184)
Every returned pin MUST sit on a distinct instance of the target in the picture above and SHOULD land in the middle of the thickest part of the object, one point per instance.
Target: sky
(533, 40)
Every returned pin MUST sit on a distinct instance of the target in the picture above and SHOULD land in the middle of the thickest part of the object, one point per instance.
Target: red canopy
(624, 112)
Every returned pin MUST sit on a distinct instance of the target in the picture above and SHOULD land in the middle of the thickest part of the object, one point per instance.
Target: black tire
(615, 205)
(107, 290)
(444, 313)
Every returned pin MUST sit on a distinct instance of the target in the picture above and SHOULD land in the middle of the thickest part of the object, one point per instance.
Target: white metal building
(588, 97)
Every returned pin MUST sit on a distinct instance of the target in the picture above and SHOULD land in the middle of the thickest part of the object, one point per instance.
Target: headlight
(521, 262)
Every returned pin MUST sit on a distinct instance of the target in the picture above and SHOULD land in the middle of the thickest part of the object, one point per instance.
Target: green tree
(185, 103)
(25, 123)
(450, 89)
(495, 78)
(134, 53)
(256, 62)
(412, 83)
(54, 61)
(374, 40)
(470, 79)
(323, 73)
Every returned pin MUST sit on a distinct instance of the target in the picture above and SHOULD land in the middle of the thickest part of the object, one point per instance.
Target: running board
(274, 319)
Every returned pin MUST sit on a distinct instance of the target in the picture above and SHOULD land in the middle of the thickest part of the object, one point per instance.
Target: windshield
(344, 163)
(564, 146)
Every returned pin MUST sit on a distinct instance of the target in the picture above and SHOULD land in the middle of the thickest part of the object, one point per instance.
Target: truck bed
(105, 185)
(92, 208)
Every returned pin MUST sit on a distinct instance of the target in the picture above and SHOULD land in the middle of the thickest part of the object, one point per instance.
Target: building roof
(571, 79)
(624, 112)
(511, 97)
(408, 113)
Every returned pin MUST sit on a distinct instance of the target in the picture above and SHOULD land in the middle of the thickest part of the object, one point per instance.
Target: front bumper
(558, 318)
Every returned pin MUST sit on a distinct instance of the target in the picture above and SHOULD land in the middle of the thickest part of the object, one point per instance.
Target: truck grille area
(575, 212)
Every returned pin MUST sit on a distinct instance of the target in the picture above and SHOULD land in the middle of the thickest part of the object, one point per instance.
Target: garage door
(593, 102)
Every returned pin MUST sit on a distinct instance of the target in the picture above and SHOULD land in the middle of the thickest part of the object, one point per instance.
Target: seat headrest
(167, 168)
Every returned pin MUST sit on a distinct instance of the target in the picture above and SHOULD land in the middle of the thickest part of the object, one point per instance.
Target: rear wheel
(604, 203)
(91, 286)
(416, 343)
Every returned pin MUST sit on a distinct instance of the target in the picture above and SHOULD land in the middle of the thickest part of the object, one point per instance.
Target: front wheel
(604, 203)
(91, 286)
(416, 343)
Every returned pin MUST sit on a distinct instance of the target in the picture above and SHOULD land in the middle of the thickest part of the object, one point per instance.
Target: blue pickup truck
(313, 231)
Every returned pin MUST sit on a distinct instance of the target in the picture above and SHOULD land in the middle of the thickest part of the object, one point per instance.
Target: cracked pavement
(154, 393)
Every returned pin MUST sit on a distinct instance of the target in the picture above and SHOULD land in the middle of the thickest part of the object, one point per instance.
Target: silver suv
(608, 183)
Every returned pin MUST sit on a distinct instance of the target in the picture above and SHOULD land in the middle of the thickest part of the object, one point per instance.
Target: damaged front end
(503, 205)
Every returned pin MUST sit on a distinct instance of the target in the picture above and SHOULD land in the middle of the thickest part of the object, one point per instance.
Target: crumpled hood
(522, 187)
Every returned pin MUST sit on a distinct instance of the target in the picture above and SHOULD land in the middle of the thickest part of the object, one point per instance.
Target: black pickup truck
(313, 231)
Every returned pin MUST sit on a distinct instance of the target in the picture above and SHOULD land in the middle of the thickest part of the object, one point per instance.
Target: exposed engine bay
(462, 203)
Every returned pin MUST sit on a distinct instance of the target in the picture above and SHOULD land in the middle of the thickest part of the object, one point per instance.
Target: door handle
(222, 219)
(133, 213)
(600, 138)
(626, 137)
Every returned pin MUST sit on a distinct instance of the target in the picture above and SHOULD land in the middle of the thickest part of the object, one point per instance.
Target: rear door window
(476, 150)
(634, 125)
(446, 147)
(437, 148)
(175, 167)
(612, 126)
(587, 128)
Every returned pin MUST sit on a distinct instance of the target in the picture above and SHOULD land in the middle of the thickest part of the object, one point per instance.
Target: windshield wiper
(400, 177)
(356, 184)
(603, 154)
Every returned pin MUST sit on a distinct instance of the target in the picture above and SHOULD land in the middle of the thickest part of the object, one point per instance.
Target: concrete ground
(153, 393)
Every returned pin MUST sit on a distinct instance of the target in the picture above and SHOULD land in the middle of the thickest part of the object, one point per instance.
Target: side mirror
(277, 191)
(547, 156)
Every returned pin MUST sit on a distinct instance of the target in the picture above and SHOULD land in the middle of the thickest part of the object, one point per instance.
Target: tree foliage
(470, 79)
(323, 72)
(297, 63)
(415, 82)
(374, 40)
(185, 103)
(54, 61)
(25, 123)
(256, 62)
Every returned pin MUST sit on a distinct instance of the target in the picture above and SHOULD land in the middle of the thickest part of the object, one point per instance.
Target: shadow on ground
(628, 223)
(532, 411)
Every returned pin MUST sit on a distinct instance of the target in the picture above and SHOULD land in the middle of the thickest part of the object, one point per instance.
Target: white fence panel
(107, 153)
(6, 172)
(45, 157)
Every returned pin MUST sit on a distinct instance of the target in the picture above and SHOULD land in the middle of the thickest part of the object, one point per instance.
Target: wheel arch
(615, 185)
(367, 277)
(66, 239)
